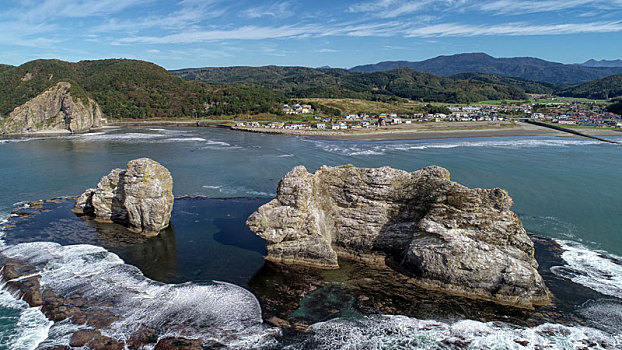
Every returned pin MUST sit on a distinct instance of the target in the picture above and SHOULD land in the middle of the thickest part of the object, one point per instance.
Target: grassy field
(349, 105)
(558, 100)
(499, 102)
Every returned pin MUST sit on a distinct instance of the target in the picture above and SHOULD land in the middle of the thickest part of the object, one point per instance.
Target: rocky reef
(139, 197)
(446, 236)
(54, 110)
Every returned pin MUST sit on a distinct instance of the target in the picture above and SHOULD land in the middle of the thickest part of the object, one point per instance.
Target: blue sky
(198, 33)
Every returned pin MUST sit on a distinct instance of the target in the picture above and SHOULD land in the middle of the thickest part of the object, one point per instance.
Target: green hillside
(131, 89)
(605, 88)
(531, 87)
(615, 108)
(301, 82)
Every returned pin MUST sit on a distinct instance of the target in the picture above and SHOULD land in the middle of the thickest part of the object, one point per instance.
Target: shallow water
(563, 188)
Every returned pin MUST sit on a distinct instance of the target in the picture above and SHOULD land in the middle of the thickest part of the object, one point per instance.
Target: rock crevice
(445, 235)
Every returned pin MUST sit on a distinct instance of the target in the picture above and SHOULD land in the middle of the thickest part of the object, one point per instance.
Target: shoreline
(431, 131)
(439, 131)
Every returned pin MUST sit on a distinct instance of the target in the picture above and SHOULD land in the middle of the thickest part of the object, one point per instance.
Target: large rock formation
(447, 236)
(140, 197)
(54, 110)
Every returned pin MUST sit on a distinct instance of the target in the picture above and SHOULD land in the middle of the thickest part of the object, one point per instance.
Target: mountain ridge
(602, 63)
(528, 68)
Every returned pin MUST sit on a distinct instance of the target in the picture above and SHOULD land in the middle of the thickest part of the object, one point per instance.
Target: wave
(596, 270)
(401, 332)
(220, 311)
(30, 326)
(356, 148)
(185, 139)
(25, 139)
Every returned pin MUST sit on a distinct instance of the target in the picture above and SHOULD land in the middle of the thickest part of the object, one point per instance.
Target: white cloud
(190, 14)
(242, 33)
(517, 7)
(38, 10)
(397, 8)
(513, 29)
(279, 9)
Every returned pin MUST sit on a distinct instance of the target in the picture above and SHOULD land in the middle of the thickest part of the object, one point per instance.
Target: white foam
(597, 270)
(378, 148)
(185, 139)
(401, 332)
(219, 311)
(218, 143)
(30, 327)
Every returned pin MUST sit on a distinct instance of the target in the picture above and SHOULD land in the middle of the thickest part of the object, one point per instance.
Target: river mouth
(209, 241)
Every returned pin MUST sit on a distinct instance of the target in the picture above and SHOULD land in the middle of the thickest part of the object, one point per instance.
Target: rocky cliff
(140, 197)
(444, 235)
(54, 110)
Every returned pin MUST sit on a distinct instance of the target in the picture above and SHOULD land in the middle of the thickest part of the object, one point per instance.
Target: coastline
(428, 131)
(432, 131)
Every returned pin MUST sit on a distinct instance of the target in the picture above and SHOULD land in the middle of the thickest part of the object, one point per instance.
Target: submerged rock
(140, 197)
(447, 236)
(54, 110)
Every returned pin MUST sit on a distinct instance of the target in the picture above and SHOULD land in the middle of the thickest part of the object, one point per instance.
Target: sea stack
(139, 197)
(444, 235)
(54, 110)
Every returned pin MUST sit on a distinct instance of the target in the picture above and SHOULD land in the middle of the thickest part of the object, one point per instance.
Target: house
(320, 126)
(275, 125)
(334, 127)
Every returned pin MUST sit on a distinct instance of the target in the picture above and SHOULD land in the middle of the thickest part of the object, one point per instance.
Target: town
(550, 110)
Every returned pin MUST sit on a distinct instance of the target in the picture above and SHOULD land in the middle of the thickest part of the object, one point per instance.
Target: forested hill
(338, 83)
(609, 87)
(531, 87)
(132, 89)
(520, 67)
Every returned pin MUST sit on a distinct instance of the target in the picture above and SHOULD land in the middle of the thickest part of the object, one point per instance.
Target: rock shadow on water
(207, 239)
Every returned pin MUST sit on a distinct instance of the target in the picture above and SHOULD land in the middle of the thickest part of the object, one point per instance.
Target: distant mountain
(131, 89)
(304, 82)
(519, 67)
(609, 87)
(602, 63)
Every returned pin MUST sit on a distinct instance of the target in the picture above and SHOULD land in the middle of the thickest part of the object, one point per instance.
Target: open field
(350, 105)
(557, 100)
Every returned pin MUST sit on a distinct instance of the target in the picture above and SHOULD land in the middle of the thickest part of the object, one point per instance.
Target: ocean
(564, 189)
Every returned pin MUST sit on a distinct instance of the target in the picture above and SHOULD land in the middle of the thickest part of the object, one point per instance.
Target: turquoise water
(563, 188)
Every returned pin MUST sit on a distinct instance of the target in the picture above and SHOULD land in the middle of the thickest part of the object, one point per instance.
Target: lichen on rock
(54, 110)
(444, 235)
(140, 197)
